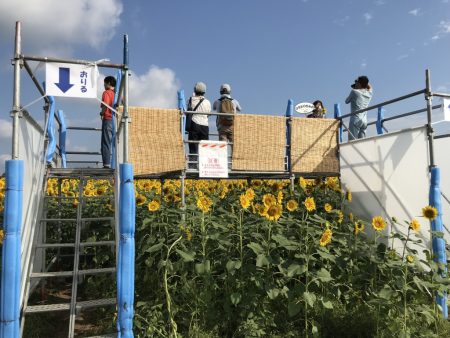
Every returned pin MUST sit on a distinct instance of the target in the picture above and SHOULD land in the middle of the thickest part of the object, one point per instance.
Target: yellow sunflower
(349, 196)
(204, 203)
(245, 201)
(340, 215)
(378, 223)
(302, 183)
(328, 207)
(2, 236)
(309, 204)
(291, 205)
(429, 212)
(410, 258)
(350, 217)
(269, 199)
(414, 225)
(250, 194)
(326, 237)
(262, 210)
(140, 199)
(274, 212)
(280, 197)
(153, 206)
(359, 227)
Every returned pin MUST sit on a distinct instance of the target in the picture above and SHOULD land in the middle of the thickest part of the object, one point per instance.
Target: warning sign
(213, 159)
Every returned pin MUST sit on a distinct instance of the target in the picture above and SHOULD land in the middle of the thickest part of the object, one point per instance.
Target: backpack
(226, 107)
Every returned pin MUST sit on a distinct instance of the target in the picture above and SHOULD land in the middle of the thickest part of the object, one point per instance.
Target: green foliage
(231, 272)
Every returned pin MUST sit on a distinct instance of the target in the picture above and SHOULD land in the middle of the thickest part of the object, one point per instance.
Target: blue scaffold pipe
(337, 115)
(182, 106)
(289, 114)
(50, 131)
(380, 117)
(11, 251)
(115, 105)
(125, 271)
(62, 138)
(440, 257)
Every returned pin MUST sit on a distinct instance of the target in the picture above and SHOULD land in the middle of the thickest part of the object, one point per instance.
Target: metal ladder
(44, 240)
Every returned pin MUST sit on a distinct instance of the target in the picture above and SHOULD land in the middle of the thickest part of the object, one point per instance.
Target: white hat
(225, 89)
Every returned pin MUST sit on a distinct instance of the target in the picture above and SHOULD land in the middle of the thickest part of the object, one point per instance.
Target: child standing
(107, 116)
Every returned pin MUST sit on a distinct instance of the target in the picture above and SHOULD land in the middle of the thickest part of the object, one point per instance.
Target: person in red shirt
(107, 115)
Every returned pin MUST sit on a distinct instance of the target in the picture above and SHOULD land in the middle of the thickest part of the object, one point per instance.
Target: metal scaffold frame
(10, 307)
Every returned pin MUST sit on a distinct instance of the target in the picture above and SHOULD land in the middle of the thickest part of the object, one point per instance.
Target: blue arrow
(64, 79)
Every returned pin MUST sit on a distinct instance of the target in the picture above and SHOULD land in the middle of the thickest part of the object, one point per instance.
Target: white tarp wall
(388, 177)
(442, 159)
(31, 148)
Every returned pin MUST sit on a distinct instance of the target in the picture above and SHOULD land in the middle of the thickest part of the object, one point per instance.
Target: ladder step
(96, 271)
(77, 172)
(72, 245)
(99, 243)
(55, 245)
(95, 303)
(51, 274)
(89, 219)
(76, 197)
(70, 273)
(47, 308)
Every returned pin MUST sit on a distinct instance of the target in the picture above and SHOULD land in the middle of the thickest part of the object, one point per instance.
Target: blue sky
(269, 51)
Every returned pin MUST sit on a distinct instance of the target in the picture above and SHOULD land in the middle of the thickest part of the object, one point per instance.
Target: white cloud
(5, 129)
(363, 64)
(341, 21)
(401, 57)
(444, 29)
(414, 12)
(156, 88)
(379, 2)
(367, 17)
(46, 23)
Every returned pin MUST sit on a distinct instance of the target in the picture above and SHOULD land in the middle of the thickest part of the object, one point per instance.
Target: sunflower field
(256, 258)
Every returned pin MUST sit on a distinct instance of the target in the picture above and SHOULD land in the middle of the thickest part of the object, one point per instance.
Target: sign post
(71, 80)
(213, 159)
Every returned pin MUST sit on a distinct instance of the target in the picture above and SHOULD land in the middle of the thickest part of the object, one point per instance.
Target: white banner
(446, 109)
(213, 159)
(70, 80)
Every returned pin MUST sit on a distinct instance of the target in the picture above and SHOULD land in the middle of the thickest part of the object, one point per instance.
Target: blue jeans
(357, 127)
(107, 130)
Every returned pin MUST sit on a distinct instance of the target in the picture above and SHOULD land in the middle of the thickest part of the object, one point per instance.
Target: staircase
(74, 255)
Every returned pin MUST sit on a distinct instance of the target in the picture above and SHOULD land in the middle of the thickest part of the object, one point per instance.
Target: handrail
(77, 62)
(422, 91)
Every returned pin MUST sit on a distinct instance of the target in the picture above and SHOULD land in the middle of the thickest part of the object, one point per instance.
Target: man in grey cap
(198, 128)
(226, 104)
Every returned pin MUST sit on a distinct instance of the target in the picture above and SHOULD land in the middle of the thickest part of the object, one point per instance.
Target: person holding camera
(359, 98)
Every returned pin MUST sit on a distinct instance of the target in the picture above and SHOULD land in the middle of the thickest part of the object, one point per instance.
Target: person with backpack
(226, 104)
(197, 125)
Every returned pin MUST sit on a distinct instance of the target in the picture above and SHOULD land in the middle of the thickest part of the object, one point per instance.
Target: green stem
(173, 324)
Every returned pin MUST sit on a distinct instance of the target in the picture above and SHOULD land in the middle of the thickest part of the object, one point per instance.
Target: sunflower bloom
(250, 194)
(262, 210)
(349, 196)
(359, 227)
(204, 203)
(378, 223)
(429, 212)
(2, 236)
(410, 258)
(350, 217)
(328, 207)
(340, 215)
(269, 199)
(292, 205)
(274, 212)
(140, 199)
(309, 204)
(302, 183)
(326, 237)
(414, 225)
(245, 201)
(153, 206)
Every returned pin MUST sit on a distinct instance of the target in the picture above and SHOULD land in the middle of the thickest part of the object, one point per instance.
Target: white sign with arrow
(70, 80)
